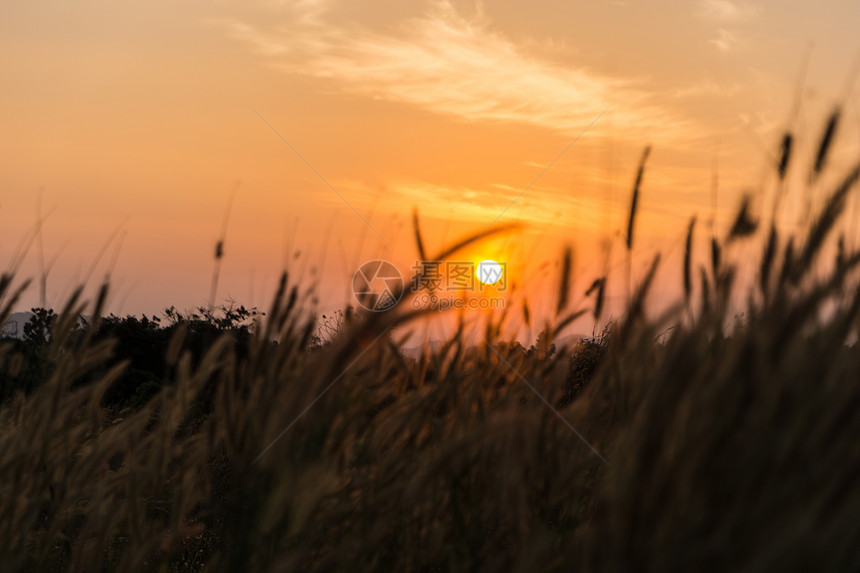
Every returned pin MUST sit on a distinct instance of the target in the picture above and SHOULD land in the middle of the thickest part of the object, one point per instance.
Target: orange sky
(140, 119)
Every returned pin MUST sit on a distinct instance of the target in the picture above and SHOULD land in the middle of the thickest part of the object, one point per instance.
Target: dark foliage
(143, 343)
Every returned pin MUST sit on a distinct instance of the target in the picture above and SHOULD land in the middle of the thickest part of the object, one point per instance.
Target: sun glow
(489, 271)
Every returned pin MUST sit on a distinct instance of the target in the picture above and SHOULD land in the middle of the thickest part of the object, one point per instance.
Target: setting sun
(489, 272)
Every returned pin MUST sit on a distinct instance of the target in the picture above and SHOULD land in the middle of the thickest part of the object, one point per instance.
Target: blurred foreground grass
(694, 448)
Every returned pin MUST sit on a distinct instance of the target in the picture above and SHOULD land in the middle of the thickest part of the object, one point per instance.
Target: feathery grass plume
(276, 317)
(564, 283)
(43, 274)
(636, 308)
(418, 241)
(767, 260)
(825, 144)
(600, 299)
(597, 286)
(175, 343)
(706, 289)
(840, 252)
(842, 272)
(716, 254)
(744, 224)
(219, 245)
(66, 323)
(824, 223)
(785, 154)
(788, 262)
(723, 286)
(688, 254)
(634, 201)
(806, 309)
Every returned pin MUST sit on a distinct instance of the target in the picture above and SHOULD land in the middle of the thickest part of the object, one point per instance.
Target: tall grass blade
(634, 201)
(785, 154)
(463, 243)
(706, 289)
(716, 254)
(688, 254)
(418, 240)
(826, 142)
(767, 260)
(564, 283)
(744, 224)
(825, 222)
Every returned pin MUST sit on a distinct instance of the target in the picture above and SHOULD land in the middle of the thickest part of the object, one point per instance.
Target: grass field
(683, 442)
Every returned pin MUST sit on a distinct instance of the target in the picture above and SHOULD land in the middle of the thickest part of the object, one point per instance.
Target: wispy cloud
(306, 11)
(706, 88)
(447, 63)
(725, 41)
(727, 11)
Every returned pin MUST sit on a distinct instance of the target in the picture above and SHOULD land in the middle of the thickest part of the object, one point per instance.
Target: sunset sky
(136, 121)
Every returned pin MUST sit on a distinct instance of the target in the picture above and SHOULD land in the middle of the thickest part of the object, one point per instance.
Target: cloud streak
(725, 41)
(727, 11)
(449, 64)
